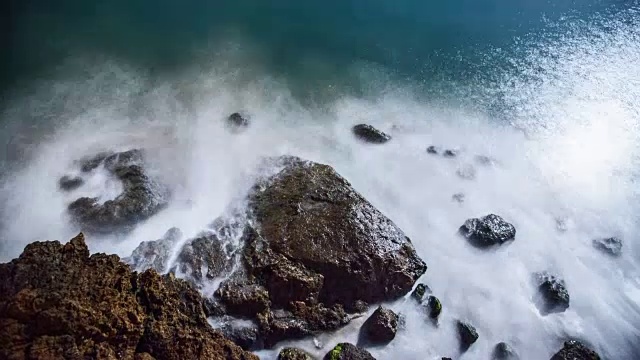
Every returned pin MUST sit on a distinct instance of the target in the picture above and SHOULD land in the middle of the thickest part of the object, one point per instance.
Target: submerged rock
(347, 351)
(293, 354)
(503, 351)
(553, 296)
(467, 335)
(484, 160)
(380, 328)
(610, 246)
(433, 150)
(142, 197)
(370, 134)
(450, 153)
(458, 197)
(466, 172)
(488, 231)
(237, 121)
(574, 350)
(57, 302)
(70, 183)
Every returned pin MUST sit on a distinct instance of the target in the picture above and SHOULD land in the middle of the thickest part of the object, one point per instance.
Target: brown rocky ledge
(57, 302)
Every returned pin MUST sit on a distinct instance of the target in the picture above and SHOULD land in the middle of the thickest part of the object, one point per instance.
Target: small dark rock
(433, 307)
(458, 197)
(347, 351)
(432, 150)
(293, 354)
(370, 134)
(553, 294)
(504, 351)
(466, 172)
(446, 358)
(487, 231)
(68, 183)
(467, 335)
(450, 153)
(237, 120)
(574, 350)
(279, 325)
(360, 306)
(381, 327)
(247, 337)
(245, 300)
(419, 292)
(610, 246)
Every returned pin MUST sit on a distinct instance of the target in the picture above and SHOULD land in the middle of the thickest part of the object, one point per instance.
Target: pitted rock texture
(58, 302)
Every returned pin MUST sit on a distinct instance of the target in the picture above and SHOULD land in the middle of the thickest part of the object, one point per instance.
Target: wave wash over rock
(308, 214)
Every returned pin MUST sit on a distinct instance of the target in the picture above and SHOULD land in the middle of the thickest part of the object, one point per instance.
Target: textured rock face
(611, 246)
(503, 351)
(368, 133)
(56, 301)
(553, 296)
(574, 350)
(487, 231)
(381, 327)
(142, 197)
(312, 222)
(467, 335)
(346, 351)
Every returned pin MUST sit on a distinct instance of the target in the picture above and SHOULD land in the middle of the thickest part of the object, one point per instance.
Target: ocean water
(549, 90)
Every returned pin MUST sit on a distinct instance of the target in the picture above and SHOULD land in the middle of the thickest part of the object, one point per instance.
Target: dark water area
(311, 42)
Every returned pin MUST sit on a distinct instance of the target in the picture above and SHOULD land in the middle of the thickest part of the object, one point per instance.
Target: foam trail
(571, 153)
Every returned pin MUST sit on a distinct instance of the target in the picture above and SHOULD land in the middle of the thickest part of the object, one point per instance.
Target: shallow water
(556, 108)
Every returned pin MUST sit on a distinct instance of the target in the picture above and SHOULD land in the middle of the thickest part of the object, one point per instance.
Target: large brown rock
(312, 222)
(56, 301)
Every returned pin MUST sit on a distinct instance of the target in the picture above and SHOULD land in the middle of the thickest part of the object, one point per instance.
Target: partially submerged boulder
(310, 218)
(611, 246)
(347, 351)
(141, 198)
(573, 350)
(488, 231)
(238, 121)
(368, 133)
(70, 183)
(433, 307)
(293, 354)
(504, 351)
(380, 328)
(56, 301)
(467, 335)
(552, 296)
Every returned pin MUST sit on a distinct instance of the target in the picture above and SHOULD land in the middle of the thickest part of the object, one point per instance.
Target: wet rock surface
(347, 351)
(574, 350)
(368, 133)
(467, 335)
(611, 246)
(56, 301)
(293, 354)
(504, 351)
(487, 231)
(154, 254)
(238, 121)
(142, 196)
(380, 328)
(70, 183)
(552, 296)
(433, 307)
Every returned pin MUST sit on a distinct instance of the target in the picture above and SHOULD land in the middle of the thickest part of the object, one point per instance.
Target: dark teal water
(309, 41)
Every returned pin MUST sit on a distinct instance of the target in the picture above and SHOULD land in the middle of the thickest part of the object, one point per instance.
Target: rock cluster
(57, 302)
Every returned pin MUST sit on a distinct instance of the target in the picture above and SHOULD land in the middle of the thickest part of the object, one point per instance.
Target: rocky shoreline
(306, 256)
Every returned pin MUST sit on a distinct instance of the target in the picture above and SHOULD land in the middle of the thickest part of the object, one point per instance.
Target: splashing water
(560, 122)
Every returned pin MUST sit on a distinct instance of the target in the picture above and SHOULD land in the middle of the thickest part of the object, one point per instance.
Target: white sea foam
(570, 153)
